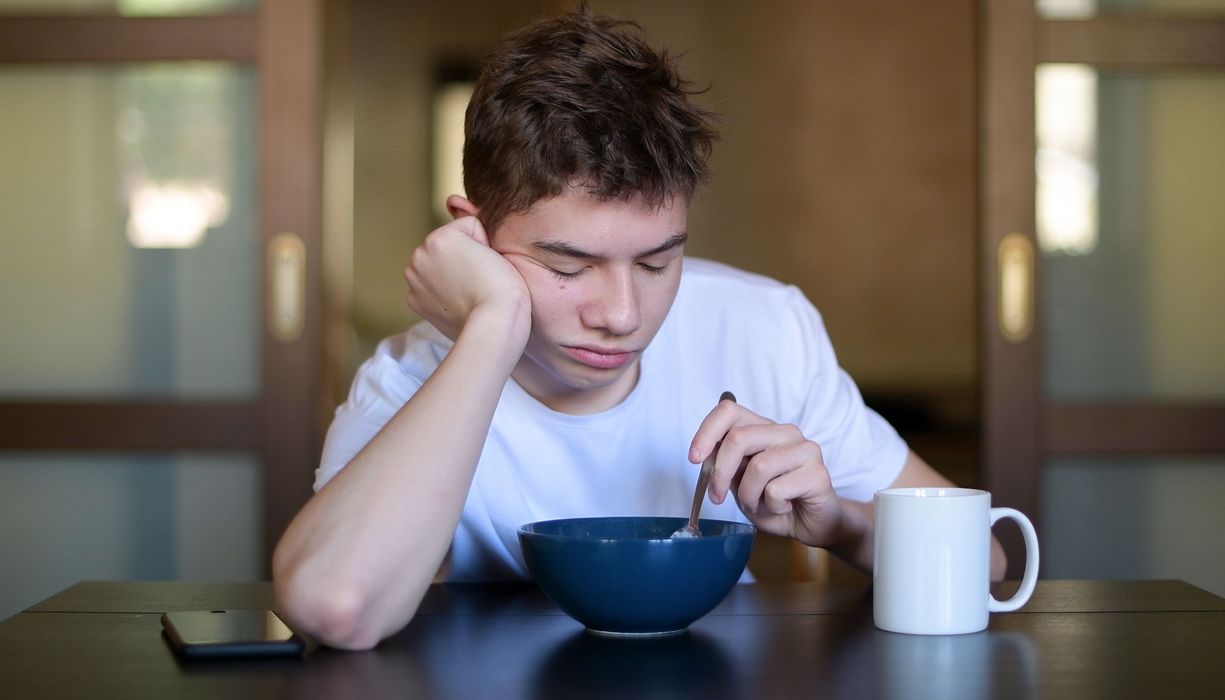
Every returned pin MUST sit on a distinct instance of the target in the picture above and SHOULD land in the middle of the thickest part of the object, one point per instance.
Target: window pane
(177, 516)
(1076, 9)
(127, 7)
(1130, 174)
(1135, 519)
(130, 263)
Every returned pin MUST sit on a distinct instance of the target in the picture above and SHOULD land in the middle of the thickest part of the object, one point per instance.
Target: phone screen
(230, 633)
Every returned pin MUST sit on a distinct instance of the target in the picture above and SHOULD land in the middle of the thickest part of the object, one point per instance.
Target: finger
(412, 268)
(412, 282)
(741, 443)
(775, 478)
(472, 227)
(718, 492)
(716, 424)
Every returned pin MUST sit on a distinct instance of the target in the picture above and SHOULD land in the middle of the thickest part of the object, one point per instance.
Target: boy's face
(602, 276)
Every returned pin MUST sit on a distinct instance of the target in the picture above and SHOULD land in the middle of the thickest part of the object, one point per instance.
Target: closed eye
(654, 269)
(563, 276)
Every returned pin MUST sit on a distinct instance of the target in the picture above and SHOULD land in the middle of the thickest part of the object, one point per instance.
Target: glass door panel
(133, 8)
(67, 517)
(1135, 518)
(1129, 213)
(1074, 9)
(131, 263)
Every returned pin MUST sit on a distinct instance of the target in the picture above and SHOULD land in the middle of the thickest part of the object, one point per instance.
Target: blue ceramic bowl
(627, 576)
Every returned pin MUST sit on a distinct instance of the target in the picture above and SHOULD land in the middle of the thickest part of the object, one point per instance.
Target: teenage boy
(571, 359)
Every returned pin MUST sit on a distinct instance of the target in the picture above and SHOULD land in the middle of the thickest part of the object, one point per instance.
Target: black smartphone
(229, 633)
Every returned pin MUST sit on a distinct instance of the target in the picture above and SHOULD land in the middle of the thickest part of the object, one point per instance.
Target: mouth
(600, 358)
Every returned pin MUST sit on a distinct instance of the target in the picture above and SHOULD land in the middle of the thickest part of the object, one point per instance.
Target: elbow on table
(334, 613)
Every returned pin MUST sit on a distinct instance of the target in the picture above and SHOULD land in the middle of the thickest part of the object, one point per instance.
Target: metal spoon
(690, 529)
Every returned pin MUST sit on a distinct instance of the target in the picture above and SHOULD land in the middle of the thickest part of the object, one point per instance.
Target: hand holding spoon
(690, 529)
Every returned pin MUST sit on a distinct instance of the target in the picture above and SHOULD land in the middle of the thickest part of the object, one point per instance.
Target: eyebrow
(568, 250)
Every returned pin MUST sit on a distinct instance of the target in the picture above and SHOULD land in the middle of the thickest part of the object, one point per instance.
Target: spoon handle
(699, 493)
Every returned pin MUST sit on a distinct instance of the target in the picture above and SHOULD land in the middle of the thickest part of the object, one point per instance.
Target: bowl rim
(738, 529)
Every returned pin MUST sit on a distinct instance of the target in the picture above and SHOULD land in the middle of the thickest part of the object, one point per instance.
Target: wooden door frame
(291, 200)
(283, 39)
(1020, 429)
(1009, 402)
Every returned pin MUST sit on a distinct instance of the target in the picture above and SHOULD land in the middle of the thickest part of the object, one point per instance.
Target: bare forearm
(354, 564)
(854, 543)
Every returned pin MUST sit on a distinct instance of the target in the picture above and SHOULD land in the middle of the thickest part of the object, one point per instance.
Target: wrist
(500, 329)
(853, 540)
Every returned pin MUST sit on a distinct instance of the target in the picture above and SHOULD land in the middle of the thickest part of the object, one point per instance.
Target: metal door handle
(286, 286)
(1016, 287)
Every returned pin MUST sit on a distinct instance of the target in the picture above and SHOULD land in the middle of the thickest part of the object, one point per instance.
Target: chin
(568, 377)
(591, 378)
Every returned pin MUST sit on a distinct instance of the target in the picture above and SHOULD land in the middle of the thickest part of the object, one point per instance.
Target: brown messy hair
(582, 100)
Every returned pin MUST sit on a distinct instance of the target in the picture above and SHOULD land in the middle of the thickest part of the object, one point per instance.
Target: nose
(615, 306)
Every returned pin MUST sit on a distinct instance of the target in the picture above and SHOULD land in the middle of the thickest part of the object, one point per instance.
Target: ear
(460, 207)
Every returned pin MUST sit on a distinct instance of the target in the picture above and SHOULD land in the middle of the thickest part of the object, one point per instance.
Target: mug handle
(1030, 578)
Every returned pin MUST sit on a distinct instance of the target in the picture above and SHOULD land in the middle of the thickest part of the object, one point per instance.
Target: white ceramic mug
(932, 563)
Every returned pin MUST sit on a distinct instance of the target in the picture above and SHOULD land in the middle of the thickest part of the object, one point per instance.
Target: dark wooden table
(1075, 639)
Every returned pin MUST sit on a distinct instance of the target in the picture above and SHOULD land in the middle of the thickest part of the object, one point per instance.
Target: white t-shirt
(727, 330)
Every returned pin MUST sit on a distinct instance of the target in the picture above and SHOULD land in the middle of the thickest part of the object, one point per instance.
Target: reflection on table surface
(557, 660)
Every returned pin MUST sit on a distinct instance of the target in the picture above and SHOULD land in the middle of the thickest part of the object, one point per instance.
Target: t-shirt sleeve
(380, 388)
(861, 450)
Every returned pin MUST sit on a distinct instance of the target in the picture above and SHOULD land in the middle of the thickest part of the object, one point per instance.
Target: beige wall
(847, 164)
(395, 48)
